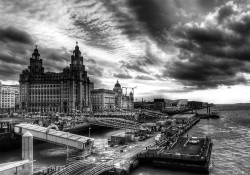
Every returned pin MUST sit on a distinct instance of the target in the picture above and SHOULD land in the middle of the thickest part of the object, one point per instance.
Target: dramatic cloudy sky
(194, 49)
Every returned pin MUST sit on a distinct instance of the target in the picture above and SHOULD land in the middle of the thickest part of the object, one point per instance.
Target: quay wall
(127, 168)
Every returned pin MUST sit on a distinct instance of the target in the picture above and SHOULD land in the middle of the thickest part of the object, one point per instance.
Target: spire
(35, 55)
(77, 52)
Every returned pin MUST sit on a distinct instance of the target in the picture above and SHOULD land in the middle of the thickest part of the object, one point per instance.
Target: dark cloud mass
(10, 71)
(207, 72)
(94, 70)
(194, 44)
(12, 34)
(142, 77)
(135, 66)
(123, 76)
(214, 52)
(156, 16)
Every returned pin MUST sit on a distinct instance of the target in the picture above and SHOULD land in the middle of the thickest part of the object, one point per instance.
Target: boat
(215, 113)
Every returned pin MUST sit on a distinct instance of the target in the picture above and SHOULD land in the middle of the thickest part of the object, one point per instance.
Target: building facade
(9, 98)
(102, 100)
(65, 92)
(123, 101)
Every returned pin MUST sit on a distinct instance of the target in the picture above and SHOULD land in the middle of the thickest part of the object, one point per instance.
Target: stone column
(27, 151)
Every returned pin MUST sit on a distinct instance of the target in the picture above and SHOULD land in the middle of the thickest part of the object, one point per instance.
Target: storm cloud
(12, 34)
(185, 45)
(214, 52)
(143, 77)
(122, 76)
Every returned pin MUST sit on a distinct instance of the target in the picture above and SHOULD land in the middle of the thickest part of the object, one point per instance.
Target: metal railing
(72, 167)
(100, 168)
(116, 123)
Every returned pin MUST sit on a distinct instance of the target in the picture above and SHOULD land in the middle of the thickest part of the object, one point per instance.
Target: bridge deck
(116, 123)
(54, 136)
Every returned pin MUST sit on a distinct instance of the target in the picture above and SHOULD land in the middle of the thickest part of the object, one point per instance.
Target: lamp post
(67, 145)
(90, 143)
(89, 131)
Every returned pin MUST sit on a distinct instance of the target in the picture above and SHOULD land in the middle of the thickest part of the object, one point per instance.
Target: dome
(117, 84)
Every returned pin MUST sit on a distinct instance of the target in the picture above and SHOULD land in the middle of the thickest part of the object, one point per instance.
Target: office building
(103, 100)
(66, 92)
(9, 98)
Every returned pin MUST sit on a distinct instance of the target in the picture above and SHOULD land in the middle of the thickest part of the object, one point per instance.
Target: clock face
(75, 62)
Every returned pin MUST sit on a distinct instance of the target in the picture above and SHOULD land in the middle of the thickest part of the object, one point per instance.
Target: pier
(117, 159)
(122, 159)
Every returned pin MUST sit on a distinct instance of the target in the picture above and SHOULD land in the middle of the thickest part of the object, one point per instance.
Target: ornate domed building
(123, 101)
(67, 91)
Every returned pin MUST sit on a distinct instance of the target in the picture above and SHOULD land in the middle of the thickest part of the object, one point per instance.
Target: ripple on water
(53, 152)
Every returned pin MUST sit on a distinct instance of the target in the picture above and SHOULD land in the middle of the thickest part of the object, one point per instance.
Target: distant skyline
(175, 49)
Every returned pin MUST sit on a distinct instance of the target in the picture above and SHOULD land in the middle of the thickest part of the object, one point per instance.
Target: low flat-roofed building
(121, 138)
(160, 104)
(144, 105)
(182, 103)
(195, 104)
(183, 118)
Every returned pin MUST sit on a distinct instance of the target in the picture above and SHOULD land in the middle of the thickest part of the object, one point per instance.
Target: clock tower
(76, 60)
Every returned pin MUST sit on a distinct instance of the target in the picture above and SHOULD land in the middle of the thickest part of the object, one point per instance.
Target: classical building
(66, 92)
(123, 101)
(9, 98)
(102, 100)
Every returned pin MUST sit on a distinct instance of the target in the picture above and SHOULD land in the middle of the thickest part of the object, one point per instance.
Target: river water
(230, 135)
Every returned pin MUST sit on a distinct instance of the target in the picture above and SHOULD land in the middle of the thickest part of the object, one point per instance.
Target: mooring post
(27, 151)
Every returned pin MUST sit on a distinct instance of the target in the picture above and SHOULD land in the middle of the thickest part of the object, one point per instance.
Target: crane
(126, 90)
(130, 88)
(133, 89)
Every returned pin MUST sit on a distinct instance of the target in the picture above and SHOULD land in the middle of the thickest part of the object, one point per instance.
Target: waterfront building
(9, 98)
(144, 105)
(123, 101)
(184, 118)
(162, 104)
(102, 100)
(195, 104)
(67, 91)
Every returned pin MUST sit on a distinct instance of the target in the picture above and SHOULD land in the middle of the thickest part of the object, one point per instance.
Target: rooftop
(102, 90)
(183, 116)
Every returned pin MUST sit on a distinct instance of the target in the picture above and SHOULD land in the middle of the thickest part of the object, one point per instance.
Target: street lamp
(89, 131)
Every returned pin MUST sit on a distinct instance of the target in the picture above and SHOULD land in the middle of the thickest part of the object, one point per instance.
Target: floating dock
(187, 153)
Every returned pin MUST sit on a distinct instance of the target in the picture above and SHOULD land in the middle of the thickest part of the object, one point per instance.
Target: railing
(72, 167)
(116, 123)
(169, 155)
(100, 168)
(78, 157)
(48, 170)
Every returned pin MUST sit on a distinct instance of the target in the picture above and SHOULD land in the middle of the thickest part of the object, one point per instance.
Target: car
(142, 138)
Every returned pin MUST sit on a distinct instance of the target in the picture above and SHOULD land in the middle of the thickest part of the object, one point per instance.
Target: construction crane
(126, 90)
(130, 88)
(133, 89)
